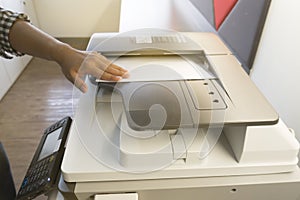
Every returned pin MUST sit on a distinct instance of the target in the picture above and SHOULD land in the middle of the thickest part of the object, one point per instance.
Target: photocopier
(187, 123)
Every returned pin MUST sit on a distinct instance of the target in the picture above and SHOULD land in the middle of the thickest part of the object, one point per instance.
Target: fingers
(102, 68)
(94, 64)
(110, 67)
(110, 77)
(80, 84)
(115, 70)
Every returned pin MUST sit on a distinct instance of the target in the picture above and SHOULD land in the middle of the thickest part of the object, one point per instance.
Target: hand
(77, 64)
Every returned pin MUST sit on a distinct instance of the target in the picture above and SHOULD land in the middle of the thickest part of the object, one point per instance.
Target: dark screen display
(51, 144)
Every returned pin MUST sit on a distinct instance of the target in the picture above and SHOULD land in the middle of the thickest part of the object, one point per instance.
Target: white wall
(276, 69)
(25, 6)
(10, 69)
(5, 81)
(77, 18)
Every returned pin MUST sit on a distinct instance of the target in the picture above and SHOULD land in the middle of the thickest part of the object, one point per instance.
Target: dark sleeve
(7, 187)
(7, 19)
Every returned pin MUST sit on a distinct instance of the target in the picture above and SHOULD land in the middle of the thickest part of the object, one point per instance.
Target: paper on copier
(162, 68)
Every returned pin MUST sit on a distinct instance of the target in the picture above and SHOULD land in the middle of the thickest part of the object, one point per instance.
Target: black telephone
(43, 171)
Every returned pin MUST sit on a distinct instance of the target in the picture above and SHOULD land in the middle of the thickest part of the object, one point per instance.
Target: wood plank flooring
(40, 96)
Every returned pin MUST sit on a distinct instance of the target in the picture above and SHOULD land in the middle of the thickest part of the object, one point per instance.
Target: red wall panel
(222, 8)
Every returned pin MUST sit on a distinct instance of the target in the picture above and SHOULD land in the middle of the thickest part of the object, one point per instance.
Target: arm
(75, 64)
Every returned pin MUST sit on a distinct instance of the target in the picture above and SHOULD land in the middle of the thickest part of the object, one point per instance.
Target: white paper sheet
(159, 68)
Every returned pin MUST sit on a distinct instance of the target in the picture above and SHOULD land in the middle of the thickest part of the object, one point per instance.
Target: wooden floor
(40, 96)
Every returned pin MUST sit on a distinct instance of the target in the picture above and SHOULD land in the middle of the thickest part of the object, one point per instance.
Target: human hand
(77, 64)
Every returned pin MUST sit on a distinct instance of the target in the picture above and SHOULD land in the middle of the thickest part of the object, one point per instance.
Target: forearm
(27, 39)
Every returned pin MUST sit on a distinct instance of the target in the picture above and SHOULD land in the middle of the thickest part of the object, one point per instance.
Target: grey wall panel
(206, 8)
(242, 29)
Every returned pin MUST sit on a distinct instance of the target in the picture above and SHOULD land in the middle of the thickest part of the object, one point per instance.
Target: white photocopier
(188, 123)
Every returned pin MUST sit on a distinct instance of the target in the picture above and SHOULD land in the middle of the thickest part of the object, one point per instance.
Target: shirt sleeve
(7, 19)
